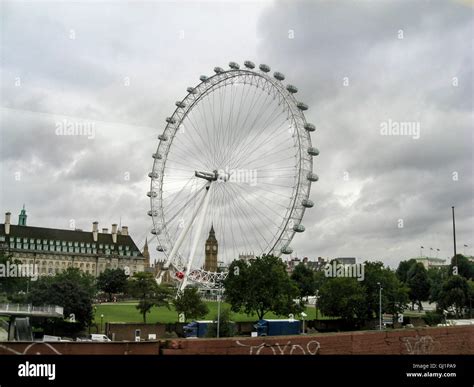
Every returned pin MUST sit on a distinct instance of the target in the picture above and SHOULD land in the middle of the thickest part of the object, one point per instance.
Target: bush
(433, 318)
(226, 327)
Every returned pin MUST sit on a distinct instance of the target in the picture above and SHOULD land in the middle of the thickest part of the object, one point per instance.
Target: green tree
(417, 281)
(470, 285)
(144, 287)
(112, 281)
(455, 293)
(260, 287)
(465, 268)
(436, 277)
(403, 269)
(11, 286)
(303, 277)
(343, 297)
(71, 289)
(394, 293)
(190, 304)
(226, 326)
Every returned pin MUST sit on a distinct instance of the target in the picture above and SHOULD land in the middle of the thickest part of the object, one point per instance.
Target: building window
(76, 249)
(25, 245)
(63, 243)
(69, 243)
(32, 240)
(76, 244)
(83, 250)
(2, 238)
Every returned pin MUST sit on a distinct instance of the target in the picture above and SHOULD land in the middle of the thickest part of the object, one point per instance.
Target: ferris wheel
(235, 157)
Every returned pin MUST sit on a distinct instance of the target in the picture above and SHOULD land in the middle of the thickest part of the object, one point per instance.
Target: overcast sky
(359, 65)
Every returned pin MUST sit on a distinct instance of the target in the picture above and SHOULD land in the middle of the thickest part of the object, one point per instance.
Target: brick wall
(436, 341)
(440, 340)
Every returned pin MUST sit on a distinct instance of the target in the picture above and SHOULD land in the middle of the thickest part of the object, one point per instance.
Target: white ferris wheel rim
(304, 176)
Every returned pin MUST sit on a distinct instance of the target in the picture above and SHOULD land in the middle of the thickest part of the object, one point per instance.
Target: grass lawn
(127, 312)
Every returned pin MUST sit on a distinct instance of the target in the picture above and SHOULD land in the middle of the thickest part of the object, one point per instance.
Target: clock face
(208, 248)
(214, 248)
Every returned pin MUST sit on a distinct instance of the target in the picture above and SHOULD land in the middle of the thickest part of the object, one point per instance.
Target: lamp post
(101, 321)
(219, 289)
(380, 305)
(316, 303)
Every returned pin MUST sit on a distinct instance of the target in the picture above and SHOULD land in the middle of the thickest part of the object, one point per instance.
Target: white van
(98, 337)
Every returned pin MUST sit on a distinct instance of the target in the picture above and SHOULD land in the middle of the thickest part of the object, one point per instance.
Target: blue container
(278, 327)
(196, 328)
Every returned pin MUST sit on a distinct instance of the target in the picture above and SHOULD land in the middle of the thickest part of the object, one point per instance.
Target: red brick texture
(452, 340)
(442, 340)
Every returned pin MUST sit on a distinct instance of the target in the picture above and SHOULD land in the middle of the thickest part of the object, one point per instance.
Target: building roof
(67, 235)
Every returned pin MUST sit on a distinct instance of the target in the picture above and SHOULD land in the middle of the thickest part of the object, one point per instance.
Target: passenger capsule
(161, 249)
(152, 213)
(170, 120)
(298, 228)
(203, 78)
(292, 89)
(180, 104)
(302, 106)
(286, 250)
(218, 70)
(191, 90)
(153, 175)
(163, 137)
(279, 76)
(156, 231)
(152, 194)
(309, 127)
(307, 203)
(234, 65)
(249, 64)
(312, 177)
(313, 151)
(265, 68)
(157, 156)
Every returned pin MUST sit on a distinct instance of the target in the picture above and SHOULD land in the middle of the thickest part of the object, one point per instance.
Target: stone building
(54, 250)
(211, 250)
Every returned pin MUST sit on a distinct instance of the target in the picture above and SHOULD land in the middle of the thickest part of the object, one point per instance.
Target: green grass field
(127, 312)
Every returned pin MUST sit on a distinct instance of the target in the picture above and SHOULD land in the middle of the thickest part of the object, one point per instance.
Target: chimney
(7, 223)
(95, 231)
(105, 231)
(114, 233)
(125, 230)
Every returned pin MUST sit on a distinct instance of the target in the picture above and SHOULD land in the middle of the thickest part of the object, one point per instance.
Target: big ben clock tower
(210, 263)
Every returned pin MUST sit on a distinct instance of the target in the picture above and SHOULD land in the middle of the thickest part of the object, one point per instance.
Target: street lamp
(316, 303)
(380, 305)
(101, 321)
(219, 290)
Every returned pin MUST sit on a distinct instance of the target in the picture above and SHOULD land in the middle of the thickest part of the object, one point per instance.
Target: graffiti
(38, 350)
(312, 348)
(420, 345)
